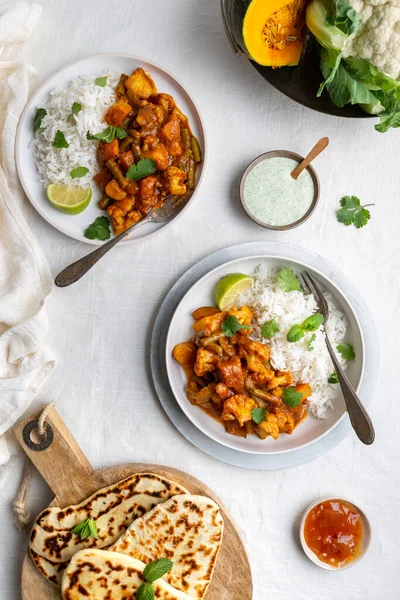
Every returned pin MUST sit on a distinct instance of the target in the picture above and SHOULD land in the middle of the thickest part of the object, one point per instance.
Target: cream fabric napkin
(25, 280)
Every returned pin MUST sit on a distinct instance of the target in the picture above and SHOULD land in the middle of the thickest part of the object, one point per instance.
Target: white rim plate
(74, 226)
(180, 329)
(172, 409)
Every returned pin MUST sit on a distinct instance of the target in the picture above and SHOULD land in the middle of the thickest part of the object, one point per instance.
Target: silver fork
(359, 417)
(171, 207)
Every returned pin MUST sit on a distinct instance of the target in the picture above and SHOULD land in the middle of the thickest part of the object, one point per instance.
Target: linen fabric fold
(25, 279)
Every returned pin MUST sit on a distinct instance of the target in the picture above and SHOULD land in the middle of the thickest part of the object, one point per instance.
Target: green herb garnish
(295, 334)
(258, 414)
(59, 140)
(312, 323)
(38, 118)
(231, 325)
(76, 108)
(101, 81)
(98, 230)
(157, 569)
(333, 378)
(151, 573)
(352, 212)
(86, 529)
(108, 134)
(145, 592)
(79, 172)
(288, 281)
(270, 328)
(310, 342)
(291, 397)
(145, 167)
(347, 351)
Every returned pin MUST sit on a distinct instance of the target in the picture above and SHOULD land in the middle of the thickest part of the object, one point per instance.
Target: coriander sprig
(232, 325)
(352, 212)
(288, 280)
(270, 328)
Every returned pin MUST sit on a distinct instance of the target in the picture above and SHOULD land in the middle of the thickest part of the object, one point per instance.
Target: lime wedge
(70, 201)
(229, 287)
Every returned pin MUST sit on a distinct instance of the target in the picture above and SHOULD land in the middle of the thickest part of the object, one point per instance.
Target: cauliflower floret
(175, 178)
(238, 407)
(270, 426)
(205, 361)
(378, 37)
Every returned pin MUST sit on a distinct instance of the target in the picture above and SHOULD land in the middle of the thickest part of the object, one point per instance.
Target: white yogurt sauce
(273, 196)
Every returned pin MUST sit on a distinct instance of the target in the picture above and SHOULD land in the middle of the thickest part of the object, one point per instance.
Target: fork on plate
(359, 417)
(171, 207)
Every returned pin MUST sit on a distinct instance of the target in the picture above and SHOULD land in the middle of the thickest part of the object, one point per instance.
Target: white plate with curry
(74, 225)
(310, 429)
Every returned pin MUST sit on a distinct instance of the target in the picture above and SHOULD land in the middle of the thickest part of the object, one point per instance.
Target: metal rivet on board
(48, 439)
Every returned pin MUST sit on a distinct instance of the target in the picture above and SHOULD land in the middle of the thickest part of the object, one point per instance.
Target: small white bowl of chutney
(272, 198)
(335, 534)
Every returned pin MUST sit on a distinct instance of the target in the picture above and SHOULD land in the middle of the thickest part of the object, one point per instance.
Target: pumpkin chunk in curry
(231, 375)
(153, 128)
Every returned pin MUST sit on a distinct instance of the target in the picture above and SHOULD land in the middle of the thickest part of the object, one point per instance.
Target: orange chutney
(333, 531)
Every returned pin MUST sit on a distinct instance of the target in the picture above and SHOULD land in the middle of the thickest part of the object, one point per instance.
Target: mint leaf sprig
(151, 573)
(312, 323)
(86, 529)
(38, 118)
(108, 134)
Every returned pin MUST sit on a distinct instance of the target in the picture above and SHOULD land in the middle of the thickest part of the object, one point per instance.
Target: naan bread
(103, 575)
(52, 543)
(186, 529)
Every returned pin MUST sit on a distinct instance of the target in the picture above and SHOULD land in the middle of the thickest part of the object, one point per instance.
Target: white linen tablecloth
(102, 325)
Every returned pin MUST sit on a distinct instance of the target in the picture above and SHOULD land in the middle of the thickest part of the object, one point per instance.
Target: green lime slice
(70, 201)
(229, 287)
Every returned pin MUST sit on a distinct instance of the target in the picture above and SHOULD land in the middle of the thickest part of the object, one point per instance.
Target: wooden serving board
(72, 479)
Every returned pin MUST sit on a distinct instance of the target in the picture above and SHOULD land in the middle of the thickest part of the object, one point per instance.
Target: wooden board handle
(63, 465)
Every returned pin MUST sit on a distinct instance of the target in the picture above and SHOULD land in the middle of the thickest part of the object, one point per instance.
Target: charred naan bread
(186, 529)
(52, 543)
(103, 575)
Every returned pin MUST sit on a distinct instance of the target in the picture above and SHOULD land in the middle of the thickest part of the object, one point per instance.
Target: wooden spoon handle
(318, 148)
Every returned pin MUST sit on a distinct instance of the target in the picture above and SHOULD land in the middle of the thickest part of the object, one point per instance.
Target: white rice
(268, 301)
(55, 164)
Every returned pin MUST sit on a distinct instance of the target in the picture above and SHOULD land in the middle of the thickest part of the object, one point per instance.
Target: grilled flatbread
(52, 543)
(186, 529)
(104, 575)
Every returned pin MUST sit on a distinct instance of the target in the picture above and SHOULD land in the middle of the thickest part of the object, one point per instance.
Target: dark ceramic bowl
(299, 83)
(286, 154)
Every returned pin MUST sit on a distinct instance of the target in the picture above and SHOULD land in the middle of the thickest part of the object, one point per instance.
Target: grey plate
(159, 372)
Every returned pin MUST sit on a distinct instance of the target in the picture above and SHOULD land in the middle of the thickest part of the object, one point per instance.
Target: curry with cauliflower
(230, 376)
(150, 126)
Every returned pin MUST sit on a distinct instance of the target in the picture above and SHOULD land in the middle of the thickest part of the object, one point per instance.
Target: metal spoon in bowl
(318, 148)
